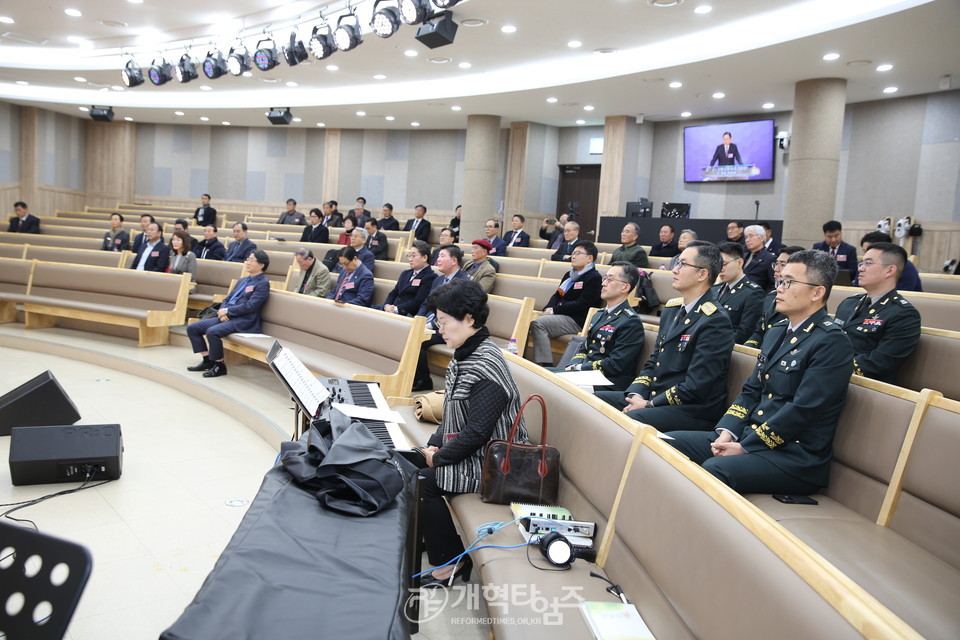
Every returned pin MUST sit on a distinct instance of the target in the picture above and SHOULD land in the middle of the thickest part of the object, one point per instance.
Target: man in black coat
(205, 214)
(667, 247)
(571, 240)
(210, 248)
(153, 255)
(376, 240)
(315, 231)
(23, 221)
(757, 261)
(419, 224)
(845, 254)
(413, 286)
(726, 153)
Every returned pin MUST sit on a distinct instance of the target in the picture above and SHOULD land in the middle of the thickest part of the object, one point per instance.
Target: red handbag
(525, 473)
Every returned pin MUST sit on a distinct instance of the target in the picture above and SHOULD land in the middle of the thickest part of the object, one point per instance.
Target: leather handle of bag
(542, 467)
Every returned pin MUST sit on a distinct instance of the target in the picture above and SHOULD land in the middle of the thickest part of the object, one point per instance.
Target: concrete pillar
(816, 131)
(516, 175)
(479, 174)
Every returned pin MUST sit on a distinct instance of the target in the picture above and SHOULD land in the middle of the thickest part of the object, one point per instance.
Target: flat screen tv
(734, 151)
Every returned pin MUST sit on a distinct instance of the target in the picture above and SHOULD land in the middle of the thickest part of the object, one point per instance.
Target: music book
(615, 621)
(303, 386)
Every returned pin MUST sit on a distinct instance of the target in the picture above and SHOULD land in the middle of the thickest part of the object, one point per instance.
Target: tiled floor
(156, 532)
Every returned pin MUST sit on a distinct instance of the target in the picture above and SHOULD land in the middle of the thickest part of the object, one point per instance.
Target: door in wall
(580, 192)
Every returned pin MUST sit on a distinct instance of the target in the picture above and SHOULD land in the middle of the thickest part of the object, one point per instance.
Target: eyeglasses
(866, 264)
(726, 262)
(443, 325)
(579, 253)
(681, 264)
(786, 283)
(612, 279)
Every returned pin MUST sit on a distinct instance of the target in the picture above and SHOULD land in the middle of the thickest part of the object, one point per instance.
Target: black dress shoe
(218, 369)
(422, 385)
(203, 366)
(428, 580)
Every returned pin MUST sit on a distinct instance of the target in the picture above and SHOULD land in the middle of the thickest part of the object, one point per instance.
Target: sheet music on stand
(303, 386)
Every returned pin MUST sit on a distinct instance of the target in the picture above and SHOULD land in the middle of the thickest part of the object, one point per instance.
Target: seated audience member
(205, 214)
(241, 246)
(447, 236)
(769, 315)
(735, 233)
(571, 240)
(449, 259)
(315, 278)
(843, 253)
(361, 214)
(785, 417)
(153, 254)
(23, 221)
(740, 297)
(480, 404)
(630, 249)
(238, 313)
(491, 229)
(684, 381)
(455, 220)
(331, 217)
(883, 327)
(567, 309)
(362, 203)
(419, 224)
(315, 231)
(182, 260)
(145, 220)
(478, 268)
(757, 261)
(413, 286)
(355, 284)
(291, 215)
(349, 224)
(666, 248)
(909, 279)
(210, 248)
(517, 237)
(358, 240)
(615, 337)
(554, 238)
(116, 239)
(376, 240)
(770, 244)
(686, 237)
(388, 222)
(181, 224)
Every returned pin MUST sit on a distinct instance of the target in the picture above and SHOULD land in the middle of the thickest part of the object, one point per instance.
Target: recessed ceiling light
(664, 3)
(410, 53)
(379, 76)
(73, 13)
(685, 114)
(6, 20)
(292, 84)
(573, 44)
(581, 122)
(702, 9)
(414, 124)
(389, 118)
(884, 67)
(831, 56)
(332, 67)
(84, 108)
(473, 22)
(859, 63)
(675, 84)
(588, 107)
(464, 65)
(22, 83)
(455, 108)
(204, 119)
(206, 87)
(768, 105)
(117, 24)
(440, 60)
(321, 124)
(552, 100)
(508, 28)
(128, 118)
(79, 79)
(361, 113)
(225, 123)
(719, 95)
(298, 119)
(890, 90)
(178, 113)
(604, 52)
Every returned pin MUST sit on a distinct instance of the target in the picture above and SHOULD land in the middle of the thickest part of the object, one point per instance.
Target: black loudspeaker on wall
(65, 453)
(37, 402)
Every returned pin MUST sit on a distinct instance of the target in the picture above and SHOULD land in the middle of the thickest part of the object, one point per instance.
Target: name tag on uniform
(154, 254)
(578, 285)
(116, 241)
(248, 289)
(349, 285)
(841, 257)
(415, 283)
(375, 243)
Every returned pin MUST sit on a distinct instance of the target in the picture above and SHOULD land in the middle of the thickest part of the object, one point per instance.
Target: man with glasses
(571, 240)
(757, 261)
(449, 259)
(883, 327)
(615, 338)
(909, 279)
(566, 311)
(769, 315)
(738, 295)
(413, 286)
(315, 231)
(478, 268)
(777, 436)
(684, 382)
(491, 229)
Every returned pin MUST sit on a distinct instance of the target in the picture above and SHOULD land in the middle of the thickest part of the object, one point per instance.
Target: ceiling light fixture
(160, 72)
(292, 84)
(84, 109)
(831, 57)
(456, 108)
(22, 83)
(204, 119)
(73, 13)
(225, 123)
(266, 57)
(411, 53)
(581, 122)
(508, 28)
(552, 100)
(414, 124)
(294, 52)
(186, 69)
(128, 118)
(719, 95)
(703, 9)
(361, 113)
(675, 84)
(347, 36)
(321, 124)
(379, 76)
(438, 31)
(79, 79)
(6, 20)
(238, 60)
(588, 107)
(445, 4)
(884, 67)
(685, 114)
(390, 118)
(574, 44)
(768, 105)
(206, 87)
(891, 90)
(178, 113)
(132, 74)
(464, 65)
(414, 11)
(214, 65)
(332, 67)
(321, 42)
(386, 21)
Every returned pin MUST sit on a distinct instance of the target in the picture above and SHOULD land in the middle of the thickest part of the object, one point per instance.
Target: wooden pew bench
(509, 318)
(937, 310)
(933, 364)
(47, 240)
(14, 284)
(338, 340)
(214, 278)
(75, 256)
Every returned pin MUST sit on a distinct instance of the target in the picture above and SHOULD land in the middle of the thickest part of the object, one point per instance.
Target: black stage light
(347, 36)
(266, 57)
(214, 65)
(186, 69)
(415, 11)
(238, 60)
(294, 53)
(386, 21)
(132, 74)
(321, 42)
(160, 72)
(101, 114)
(279, 116)
(439, 31)
(445, 4)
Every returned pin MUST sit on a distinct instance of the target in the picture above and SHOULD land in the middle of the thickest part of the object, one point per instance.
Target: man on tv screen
(726, 153)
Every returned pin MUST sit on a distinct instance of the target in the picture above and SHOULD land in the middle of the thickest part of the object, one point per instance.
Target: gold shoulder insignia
(708, 308)
(674, 302)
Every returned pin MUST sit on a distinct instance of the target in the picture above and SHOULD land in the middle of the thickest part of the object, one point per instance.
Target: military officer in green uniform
(777, 436)
(615, 338)
(683, 385)
(768, 313)
(739, 296)
(883, 327)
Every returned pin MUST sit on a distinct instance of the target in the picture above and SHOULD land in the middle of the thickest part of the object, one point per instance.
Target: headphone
(559, 552)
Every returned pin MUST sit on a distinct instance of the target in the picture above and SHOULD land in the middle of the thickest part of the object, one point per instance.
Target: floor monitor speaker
(37, 402)
(65, 453)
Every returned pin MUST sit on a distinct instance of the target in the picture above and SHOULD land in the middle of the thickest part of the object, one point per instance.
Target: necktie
(203, 254)
(416, 221)
(236, 292)
(342, 285)
(681, 315)
(556, 242)
(833, 252)
(724, 289)
(748, 261)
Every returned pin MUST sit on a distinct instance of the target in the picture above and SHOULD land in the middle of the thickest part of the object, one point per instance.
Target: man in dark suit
(362, 202)
(684, 382)
(418, 224)
(555, 237)
(116, 239)
(291, 215)
(769, 315)
(726, 153)
(331, 218)
(361, 214)
(771, 244)
(786, 415)
(145, 220)
(736, 294)
(23, 221)
(315, 231)
(566, 311)
(153, 254)
(843, 253)
(757, 261)
(210, 248)
(355, 284)
(735, 233)
(449, 259)
(491, 230)
(413, 286)
(376, 239)
(205, 214)
(571, 240)
(388, 222)
(517, 237)
(667, 247)
(238, 313)
(242, 246)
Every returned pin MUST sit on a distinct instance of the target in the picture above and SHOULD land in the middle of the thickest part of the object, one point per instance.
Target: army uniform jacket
(743, 303)
(613, 345)
(883, 334)
(788, 409)
(689, 363)
(769, 316)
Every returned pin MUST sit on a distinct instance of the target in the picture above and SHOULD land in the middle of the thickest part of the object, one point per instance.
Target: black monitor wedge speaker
(37, 402)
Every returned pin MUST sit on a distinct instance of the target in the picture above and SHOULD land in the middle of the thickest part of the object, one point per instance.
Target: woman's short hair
(185, 241)
(458, 298)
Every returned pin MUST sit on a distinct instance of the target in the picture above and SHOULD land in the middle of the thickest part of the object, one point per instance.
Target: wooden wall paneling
(49, 198)
(9, 193)
(611, 168)
(111, 159)
(331, 165)
(516, 175)
(940, 241)
(28, 154)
